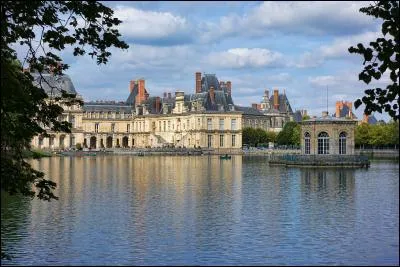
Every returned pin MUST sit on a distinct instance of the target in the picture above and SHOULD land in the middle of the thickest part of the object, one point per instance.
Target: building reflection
(327, 179)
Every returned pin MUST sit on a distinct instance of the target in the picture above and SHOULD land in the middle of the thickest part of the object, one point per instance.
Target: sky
(300, 48)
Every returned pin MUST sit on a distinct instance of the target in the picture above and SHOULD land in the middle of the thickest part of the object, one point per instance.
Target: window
(221, 140)
(96, 127)
(109, 115)
(51, 141)
(112, 127)
(307, 143)
(209, 140)
(221, 124)
(128, 127)
(40, 141)
(342, 143)
(323, 143)
(233, 124)
(159, 126)
(164, 126)
(72, 118)
(198, 122)
(169, 125)
(233, 140)
(72, 140)
(209, 124)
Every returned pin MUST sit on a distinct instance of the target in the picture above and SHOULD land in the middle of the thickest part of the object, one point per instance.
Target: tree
(382, 55)
(288, 134)
(44, 28)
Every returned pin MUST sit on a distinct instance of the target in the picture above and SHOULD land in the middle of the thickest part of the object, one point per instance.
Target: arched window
(323, 143)
(307, 143)
(342, 143)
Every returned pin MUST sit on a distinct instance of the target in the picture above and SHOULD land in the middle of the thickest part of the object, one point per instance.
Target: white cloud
(244, 57)
(313, 18)
(140, 24)
(323, 81)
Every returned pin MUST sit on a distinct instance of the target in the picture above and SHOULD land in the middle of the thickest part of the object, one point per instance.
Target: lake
(201, 210)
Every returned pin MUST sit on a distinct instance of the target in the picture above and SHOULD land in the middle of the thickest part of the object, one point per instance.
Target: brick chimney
(140, 97)
(338, 108)
(229, 86)
(158, 104)
(276, 99)
(212, 94)
(131, 86)
(198, 82)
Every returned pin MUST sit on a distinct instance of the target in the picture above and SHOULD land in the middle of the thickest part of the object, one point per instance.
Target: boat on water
(226, 156)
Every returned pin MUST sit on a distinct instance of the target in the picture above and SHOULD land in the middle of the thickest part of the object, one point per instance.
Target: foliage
(305, 117)
(377, 135)
(256, 137)
(290, 134)
(382, 55)
(44, 28)
(78, 146)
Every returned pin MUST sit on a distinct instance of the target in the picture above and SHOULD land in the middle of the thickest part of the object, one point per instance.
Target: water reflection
(203, 210)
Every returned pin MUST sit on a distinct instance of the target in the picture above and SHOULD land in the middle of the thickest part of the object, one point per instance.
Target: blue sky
(299, 47)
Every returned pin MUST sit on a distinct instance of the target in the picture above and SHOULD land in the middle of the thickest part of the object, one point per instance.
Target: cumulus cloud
(244, 57)
(312, 18)
(337, 49)
(150, 26)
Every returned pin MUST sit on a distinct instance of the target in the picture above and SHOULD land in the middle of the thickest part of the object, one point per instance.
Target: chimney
(350, 105)
(198, 82)
(337, 109)
(140, 97)
(229, 86)
(212, 94)
(276, 99)
(158, 104)
(266, 93)
(131, 86)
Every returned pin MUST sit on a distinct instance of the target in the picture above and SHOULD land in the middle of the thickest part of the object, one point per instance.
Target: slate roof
(53, 84)
(105, 107)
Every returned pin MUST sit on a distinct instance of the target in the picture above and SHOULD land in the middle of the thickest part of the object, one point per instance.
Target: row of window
(108, 115)
(221, 140)
(221, 124)
(323, 143)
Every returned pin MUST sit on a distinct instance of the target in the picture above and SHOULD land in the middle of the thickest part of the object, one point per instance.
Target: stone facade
(206, 119)
(327, 135)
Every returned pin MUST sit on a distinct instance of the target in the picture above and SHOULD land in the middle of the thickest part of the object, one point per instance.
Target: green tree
(44, 28)
(382, 55)
(271, 137)
(288, 134)
(362, 134)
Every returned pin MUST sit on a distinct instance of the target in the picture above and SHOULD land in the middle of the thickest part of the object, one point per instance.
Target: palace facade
(206, 118)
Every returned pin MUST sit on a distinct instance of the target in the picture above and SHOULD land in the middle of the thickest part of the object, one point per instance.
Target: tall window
(72, 118)
(112, 127)
(233, 140)
(72, 140)
(221, 140)
(96, 127)
(209, 124)
(221, 124)
(342, 143)
(40, 141)
(128, 127)
(323, 143)
(307, 143)
(209, 140)
(233, 124)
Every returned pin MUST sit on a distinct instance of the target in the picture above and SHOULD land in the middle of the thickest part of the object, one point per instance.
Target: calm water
(160, 210)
